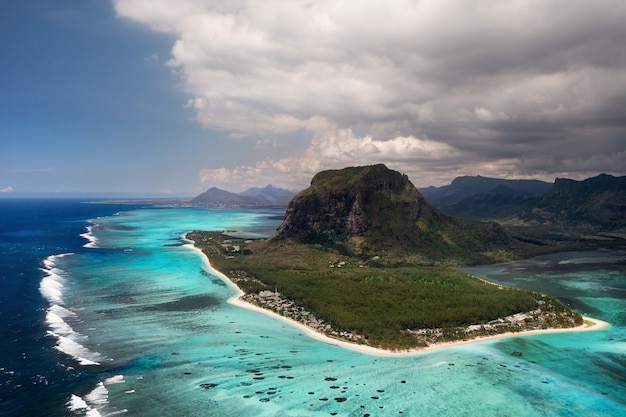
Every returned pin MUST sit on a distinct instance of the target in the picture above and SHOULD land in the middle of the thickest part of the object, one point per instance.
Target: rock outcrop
(370, 209)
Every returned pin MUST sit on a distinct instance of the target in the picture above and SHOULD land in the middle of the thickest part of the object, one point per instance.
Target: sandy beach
(589, 324)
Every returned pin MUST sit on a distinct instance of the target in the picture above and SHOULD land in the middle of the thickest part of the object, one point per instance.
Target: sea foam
(53, 284)
(93, 241)
(83, 355)
(60, 327)
(78, 405)
(94, 404)
(59, 318)
(51, 287)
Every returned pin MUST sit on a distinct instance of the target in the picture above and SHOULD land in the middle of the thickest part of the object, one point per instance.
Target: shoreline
(589, 324)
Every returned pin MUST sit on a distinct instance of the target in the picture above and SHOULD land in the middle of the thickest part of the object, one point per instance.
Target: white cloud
(478, 82)
(331, 149)
(8, 189)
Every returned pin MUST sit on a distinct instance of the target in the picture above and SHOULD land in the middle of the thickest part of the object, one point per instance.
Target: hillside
(467, 186)
(499, 203)
(366, 210)
(598, 202)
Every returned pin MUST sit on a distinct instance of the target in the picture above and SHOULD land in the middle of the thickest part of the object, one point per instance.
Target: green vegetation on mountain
(362, 256)
(499, 203)
(465, 187)
(595, 204)
(374, 210)
(598, 202)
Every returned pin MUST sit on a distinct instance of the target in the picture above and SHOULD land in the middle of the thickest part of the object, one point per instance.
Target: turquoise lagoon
(146, 323)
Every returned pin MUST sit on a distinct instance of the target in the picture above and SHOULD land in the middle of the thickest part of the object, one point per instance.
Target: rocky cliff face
(350, 202)
(369, 209)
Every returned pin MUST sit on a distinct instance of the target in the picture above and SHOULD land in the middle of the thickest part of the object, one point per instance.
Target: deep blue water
(33, 379)
(106, 311)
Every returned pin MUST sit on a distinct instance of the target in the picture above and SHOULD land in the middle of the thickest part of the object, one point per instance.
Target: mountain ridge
(466, 186)
(597, 202)
(363, 210)
(253, 197)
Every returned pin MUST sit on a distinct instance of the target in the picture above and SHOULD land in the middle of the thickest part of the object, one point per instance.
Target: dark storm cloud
(506, 88)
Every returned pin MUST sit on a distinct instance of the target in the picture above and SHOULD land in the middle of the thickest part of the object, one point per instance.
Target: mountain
(599, 202)
(501, 202)
(269, 193)
(253, 197)
(463, 187)
(215, 197)
(371, 209)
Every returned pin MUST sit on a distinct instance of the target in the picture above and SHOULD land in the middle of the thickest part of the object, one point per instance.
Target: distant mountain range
(268, 196)
(463, 187)
(599, 202)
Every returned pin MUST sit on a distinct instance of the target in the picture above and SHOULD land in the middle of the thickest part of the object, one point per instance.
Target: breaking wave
(59, 319)
(94, 404)
(93, 241)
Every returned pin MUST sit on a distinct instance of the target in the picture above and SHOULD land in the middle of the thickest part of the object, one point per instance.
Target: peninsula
(362, 258)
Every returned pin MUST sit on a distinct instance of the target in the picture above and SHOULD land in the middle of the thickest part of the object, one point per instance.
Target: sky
(174, 97)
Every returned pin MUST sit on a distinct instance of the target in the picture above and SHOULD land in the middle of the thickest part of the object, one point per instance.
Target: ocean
(106, 310)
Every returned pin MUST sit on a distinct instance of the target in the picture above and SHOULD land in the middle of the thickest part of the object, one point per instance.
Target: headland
(589, 324)
(362, 257)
